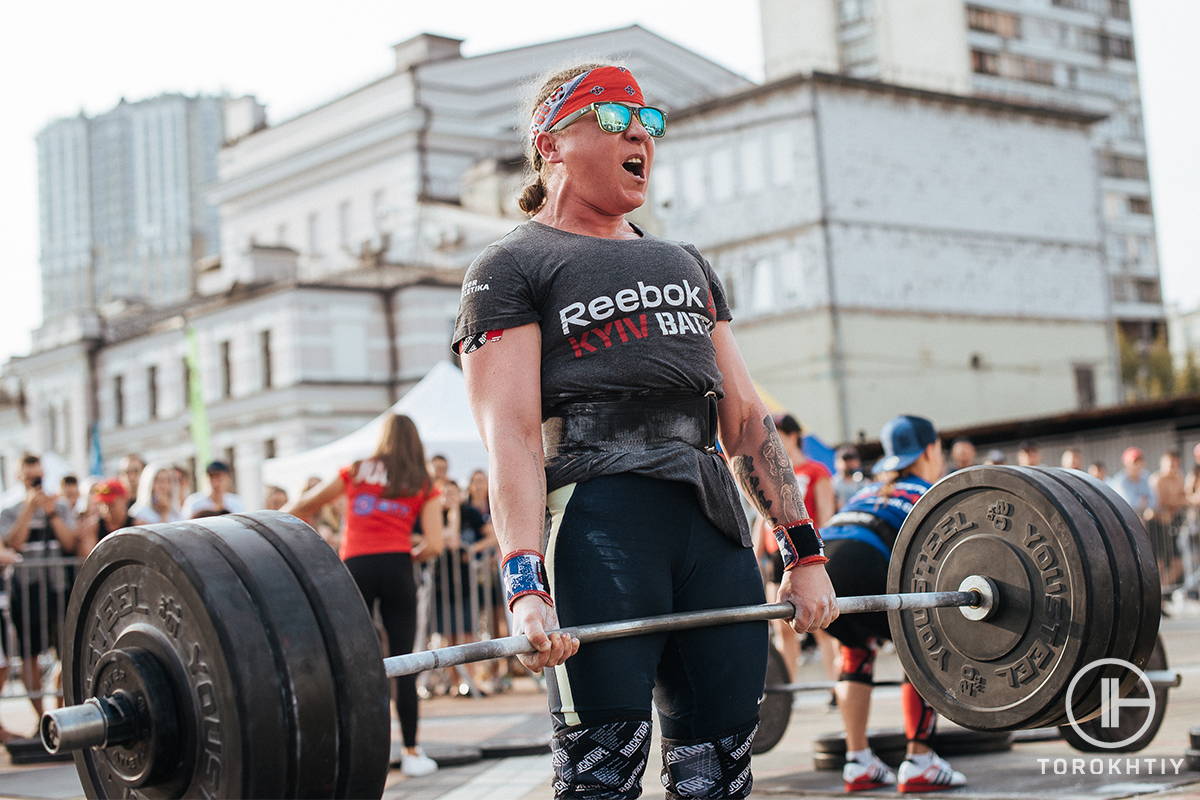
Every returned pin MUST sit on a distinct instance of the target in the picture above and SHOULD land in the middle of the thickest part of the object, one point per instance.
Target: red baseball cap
(1132, 454)
(111, 488)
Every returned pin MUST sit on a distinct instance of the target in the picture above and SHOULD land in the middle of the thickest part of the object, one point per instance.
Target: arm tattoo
(775, 479)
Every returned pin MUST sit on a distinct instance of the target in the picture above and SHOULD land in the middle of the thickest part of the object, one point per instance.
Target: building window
(226, 370)
(664, 186)
(783, 158)
(269, 448)
(1139, 205)
(1116, 166)
(851, 11)
(1085, 386)
(722, 174)
(186, 372)
(281, 235)
(694, 194)
(985, 63)
(1118, 9)
(51, 429)
(314, 234)
(119, 400)
(264, 350)
(152, 391)
(379, 208)
(1000, 23)
(754, 166)
(1116, 46)
(1147, 290)
(229, 459)
(1007, 65)
(66, 427)
(344, 223)
(859, 51)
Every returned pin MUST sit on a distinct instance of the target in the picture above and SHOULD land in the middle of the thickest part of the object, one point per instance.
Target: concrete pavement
(1027, 771)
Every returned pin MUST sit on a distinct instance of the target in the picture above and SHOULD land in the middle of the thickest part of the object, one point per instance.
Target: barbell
(234, 657)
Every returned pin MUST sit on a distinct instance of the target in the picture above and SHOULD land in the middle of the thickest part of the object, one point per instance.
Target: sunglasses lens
(653, 120)
(613, 117)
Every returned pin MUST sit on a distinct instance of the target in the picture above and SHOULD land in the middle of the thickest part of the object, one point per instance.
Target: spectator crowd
(46, 529)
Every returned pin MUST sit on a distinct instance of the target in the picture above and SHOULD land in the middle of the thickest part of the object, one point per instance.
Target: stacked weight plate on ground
(1046, 556)
(890, 745)
(31, 751)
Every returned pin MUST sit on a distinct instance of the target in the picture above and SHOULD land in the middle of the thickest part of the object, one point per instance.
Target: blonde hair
(533, 196)
(145, 487)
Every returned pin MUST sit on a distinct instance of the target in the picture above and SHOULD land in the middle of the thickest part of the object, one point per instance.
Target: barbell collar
(97, 722)
(504, 647)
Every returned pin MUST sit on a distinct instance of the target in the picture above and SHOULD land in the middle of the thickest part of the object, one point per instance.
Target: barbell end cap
(985, 589)
(74, 727)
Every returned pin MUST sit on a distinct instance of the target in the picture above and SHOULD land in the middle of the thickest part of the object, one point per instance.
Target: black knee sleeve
(708, 769)
(858, 664)
(601, 762)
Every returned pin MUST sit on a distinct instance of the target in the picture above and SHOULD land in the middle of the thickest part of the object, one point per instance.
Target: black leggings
(387, 578)
(626, 546)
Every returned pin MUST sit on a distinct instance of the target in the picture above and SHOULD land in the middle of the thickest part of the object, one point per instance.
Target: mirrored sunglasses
(617, 117)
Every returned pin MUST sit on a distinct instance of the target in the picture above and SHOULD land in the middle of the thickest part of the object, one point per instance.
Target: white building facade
(344, 232)
(892, 250)
(1069, 53)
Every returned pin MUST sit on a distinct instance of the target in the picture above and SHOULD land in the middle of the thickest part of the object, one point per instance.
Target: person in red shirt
(385, 495)
(816, 483)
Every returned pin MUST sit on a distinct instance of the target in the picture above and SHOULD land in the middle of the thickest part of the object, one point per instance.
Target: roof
(1062, 114)
(1180, 410)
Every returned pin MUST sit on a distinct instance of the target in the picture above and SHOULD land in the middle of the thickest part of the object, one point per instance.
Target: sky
(59, 58)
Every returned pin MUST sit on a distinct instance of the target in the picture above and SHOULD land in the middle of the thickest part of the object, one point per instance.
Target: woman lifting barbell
(611, 349)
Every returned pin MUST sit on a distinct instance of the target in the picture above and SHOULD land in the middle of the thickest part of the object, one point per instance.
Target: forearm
(18, 534)
(65, 533)
(517, 480)
(760, 463)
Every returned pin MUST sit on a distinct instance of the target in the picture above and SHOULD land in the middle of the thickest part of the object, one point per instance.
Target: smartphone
(36, 483)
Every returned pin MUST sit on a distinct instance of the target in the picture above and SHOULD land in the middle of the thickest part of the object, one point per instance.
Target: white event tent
(437, 404)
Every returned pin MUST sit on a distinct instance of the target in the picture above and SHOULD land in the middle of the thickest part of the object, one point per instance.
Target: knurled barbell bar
(234, 657)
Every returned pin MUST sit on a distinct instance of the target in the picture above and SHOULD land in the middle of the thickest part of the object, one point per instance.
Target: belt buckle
(711, 434)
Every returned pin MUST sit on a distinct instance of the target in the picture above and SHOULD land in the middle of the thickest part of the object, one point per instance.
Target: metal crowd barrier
(458, 601)
(1176, 545)
(33, 606)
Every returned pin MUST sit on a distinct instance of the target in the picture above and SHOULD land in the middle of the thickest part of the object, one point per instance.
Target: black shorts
(856, 568)
(626, 546)
(36, 609)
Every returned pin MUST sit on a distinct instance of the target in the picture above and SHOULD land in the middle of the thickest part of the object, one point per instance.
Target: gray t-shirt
(41, 543)
(618, 317)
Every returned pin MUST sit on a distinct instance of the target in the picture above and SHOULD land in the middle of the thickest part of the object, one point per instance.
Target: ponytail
(533, 196)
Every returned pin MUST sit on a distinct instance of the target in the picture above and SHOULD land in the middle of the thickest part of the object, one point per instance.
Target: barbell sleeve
(506, 646)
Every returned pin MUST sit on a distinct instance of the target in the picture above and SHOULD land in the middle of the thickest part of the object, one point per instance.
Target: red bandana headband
(612, 84)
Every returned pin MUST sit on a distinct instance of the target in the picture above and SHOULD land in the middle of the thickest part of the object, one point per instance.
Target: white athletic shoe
(933, 777)
(414, 766)
(860, 776)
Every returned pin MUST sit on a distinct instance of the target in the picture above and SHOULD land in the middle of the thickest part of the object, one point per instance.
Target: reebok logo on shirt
(630, 300)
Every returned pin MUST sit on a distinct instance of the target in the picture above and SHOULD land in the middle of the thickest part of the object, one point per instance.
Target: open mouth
(635, 166)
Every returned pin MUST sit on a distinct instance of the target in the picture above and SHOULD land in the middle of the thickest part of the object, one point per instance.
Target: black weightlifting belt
(631, 423)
